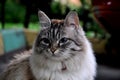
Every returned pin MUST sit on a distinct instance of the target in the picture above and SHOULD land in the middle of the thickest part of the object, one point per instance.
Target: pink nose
(53, 50)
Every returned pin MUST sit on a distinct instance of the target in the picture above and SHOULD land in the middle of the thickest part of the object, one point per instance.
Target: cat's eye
(64, 40)
(45, 41)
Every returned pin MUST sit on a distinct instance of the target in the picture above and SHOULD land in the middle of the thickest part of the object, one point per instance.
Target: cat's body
(60, 52)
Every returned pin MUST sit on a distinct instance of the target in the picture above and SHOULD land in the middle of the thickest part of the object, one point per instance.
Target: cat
(61, 51)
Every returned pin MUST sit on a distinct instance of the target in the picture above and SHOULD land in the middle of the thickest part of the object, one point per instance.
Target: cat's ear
(72, 19)
(43, 19)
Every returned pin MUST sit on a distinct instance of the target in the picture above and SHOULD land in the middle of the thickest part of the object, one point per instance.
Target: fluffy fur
(71, 60)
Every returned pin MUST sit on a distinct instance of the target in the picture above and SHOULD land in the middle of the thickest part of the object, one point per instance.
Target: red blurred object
(107, 13)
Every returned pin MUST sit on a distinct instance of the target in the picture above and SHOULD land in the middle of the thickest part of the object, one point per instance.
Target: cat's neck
(66, 65)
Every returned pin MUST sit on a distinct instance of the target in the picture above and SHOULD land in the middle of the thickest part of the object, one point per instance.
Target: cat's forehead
(56, 22)
(55, 30)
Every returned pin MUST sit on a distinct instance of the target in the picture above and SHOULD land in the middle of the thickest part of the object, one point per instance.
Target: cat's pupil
(45, 40)
(64, 40)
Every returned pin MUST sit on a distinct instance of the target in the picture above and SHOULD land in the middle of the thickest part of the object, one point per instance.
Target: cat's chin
(58, 58)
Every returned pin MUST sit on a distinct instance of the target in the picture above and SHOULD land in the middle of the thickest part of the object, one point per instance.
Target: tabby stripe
(58, 32)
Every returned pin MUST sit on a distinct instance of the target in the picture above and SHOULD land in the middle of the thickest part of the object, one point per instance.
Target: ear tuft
(43, 19)
(72, 18)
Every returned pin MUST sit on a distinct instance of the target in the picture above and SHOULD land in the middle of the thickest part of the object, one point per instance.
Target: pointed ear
(43, 19)
(72, 19)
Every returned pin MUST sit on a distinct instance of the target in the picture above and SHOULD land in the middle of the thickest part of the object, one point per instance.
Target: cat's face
(59, 39)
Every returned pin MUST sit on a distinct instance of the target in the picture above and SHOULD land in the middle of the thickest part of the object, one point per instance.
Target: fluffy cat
(61, 51)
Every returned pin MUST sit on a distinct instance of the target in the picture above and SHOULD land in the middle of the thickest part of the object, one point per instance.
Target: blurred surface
(13, 39)
(1, 45)
(30, 36)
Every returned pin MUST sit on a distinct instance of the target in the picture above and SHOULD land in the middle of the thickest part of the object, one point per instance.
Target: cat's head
(59, 39)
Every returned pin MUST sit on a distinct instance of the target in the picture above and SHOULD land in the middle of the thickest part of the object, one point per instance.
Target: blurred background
(19, 26)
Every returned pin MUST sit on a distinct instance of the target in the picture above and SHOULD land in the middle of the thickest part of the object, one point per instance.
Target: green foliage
(34, 18)
(32, 26)
(15, 15)
(14, 12)
(56, 7)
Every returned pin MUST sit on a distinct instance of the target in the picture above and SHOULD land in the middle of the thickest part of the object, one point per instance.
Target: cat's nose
(53, 49)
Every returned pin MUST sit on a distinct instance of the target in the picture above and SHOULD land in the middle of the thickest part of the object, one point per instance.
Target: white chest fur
(78, 68)
(57, 75)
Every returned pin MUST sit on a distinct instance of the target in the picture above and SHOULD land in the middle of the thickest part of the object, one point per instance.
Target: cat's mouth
(54, 55)
(58, 56)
